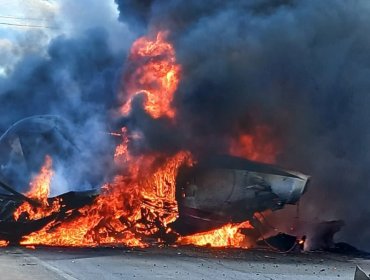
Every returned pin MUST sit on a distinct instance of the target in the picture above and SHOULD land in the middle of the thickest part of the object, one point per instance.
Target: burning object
(26, 144)
(227, 189)
(153, 197)
(129, 210)
(220, 193)
(24, 148)
(13, 228)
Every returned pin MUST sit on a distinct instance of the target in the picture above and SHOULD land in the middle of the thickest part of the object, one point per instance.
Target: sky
(27, 27)
(38, 13)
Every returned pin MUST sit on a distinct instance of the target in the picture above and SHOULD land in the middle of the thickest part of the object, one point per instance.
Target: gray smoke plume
(74, 73)
(301, 67)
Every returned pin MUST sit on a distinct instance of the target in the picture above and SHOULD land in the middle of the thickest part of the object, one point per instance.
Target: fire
(40, 186)
(135, 207)
(260, 145)
(40, 189)
(257, 146)
(153, 72)
(139, 202)
(226, 236)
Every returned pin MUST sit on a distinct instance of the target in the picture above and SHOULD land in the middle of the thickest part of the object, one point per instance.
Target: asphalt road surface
(171, 263)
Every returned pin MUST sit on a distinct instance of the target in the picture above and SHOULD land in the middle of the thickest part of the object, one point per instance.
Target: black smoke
(301, 67)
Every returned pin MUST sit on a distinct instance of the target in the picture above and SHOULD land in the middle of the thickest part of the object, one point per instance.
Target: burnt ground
(172, 263)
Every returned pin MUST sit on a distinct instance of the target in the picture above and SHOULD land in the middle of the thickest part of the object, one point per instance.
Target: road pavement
(171, 263)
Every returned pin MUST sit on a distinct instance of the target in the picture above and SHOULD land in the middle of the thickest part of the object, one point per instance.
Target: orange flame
(226, 236)
(140, 202)
(137, 204)
(259, 145)
(154, 73)
(40, 189)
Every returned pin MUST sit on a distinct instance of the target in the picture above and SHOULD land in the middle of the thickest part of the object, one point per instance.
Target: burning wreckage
(23, 148)
(225, 189)
(210, 194)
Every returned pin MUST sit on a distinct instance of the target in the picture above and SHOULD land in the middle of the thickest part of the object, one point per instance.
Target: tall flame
(154, 73)
(39, 190)
(140, 202)
(135, 208)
